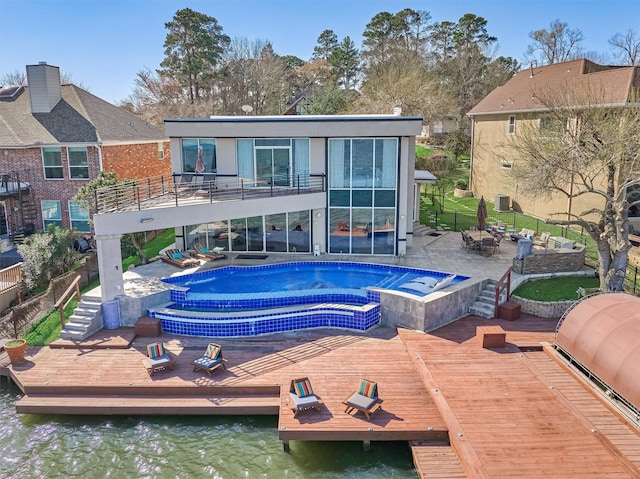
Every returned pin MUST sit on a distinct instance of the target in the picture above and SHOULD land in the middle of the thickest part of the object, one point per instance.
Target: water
(300, 276)
(221, 447)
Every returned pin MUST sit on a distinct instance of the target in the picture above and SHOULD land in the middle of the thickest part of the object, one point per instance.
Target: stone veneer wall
(550, 261)
(430, 312)
(552, 309)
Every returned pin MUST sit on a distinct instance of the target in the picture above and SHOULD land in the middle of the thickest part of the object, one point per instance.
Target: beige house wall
(491, 175)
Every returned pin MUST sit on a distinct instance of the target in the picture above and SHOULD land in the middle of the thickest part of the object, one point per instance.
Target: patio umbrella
(199, 162)
(482, 213)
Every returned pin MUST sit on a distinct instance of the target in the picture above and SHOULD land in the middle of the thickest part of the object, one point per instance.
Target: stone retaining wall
(550, 261)
(551, 309)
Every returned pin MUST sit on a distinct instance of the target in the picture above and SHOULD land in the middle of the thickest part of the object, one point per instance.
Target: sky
(103, 44)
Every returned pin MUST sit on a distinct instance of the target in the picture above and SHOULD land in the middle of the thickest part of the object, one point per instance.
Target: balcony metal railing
(191, 188)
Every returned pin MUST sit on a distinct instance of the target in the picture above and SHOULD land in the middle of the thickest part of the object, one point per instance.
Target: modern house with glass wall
(288, 184)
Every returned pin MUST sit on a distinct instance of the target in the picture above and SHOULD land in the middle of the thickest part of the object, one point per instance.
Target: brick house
(514, 107)
(55, 138)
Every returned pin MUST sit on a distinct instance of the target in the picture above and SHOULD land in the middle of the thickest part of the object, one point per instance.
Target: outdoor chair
(158, 358)
(543, 240)
(206, 253)
(488, 244)
(211, 360)
(365, 399)
(176, 258)
(302, 397)
(496, 244)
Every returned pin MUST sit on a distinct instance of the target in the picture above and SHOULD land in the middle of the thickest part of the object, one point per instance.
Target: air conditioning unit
(502, 203)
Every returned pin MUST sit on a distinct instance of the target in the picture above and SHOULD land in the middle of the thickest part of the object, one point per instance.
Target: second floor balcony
(192, 188)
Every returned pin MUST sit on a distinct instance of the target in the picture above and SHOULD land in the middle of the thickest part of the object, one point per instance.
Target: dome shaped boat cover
(602, 333)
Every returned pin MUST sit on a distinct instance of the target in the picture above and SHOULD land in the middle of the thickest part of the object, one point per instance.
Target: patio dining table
(480, 241)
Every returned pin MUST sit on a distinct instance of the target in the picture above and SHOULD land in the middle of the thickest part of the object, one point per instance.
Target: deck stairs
(484, 304)
(86, 319)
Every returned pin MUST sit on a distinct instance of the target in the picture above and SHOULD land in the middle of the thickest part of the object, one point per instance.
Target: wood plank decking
(467, 411)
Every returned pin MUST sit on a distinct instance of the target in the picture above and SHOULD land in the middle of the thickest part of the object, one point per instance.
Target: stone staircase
(485, 302)
(421, 230)
(86, 319)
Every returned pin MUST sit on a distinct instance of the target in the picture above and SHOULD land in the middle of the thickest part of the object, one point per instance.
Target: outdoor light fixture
(146, 219)
(318, 214)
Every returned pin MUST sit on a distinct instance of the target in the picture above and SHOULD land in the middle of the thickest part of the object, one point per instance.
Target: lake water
(221, 447)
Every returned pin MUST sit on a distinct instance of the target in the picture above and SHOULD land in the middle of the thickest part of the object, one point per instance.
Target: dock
(466, 411)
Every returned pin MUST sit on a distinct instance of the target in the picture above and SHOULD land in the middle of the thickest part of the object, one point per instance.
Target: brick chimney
(44, 87)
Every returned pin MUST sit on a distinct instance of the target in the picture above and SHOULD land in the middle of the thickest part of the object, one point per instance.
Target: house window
(512, 125)
(79, 217)
(78, 163)
(52, 161)
(281, 161)
(198, 155)
(160, 150)
(51, 213)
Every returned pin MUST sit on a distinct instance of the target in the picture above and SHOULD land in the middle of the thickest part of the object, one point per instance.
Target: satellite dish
(247, 109)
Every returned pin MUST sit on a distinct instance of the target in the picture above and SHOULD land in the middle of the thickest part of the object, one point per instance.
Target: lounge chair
(211, 360)
(428, 285)
(302, 397)
(206, 253)
(176, 258)
(365, 399)
(157, 359)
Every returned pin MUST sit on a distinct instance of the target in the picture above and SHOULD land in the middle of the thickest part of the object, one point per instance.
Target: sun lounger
(207, 254)
(365, 399)
(428, 285)
(302, 397)
(211, 360)
(158, 358)
(176, 258)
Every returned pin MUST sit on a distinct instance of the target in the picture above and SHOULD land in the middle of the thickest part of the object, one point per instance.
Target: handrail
(502, 284)
(11, 277)
(151, 192)
(73, 287)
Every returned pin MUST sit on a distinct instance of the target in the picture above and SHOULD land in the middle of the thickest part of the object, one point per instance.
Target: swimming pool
(252, 300)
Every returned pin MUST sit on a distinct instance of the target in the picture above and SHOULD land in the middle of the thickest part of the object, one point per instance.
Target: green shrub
(462, 184)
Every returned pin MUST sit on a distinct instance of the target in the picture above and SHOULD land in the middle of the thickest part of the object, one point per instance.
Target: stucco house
(510, 108)
(294, 184)
(54, 138)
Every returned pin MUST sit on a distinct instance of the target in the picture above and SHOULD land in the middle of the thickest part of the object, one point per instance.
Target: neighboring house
(438, 128)
(291, 184)
(299, 104)
(54, 139)
(507, 109)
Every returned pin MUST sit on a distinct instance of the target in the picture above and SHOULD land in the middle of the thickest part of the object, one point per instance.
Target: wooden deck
(467, 411)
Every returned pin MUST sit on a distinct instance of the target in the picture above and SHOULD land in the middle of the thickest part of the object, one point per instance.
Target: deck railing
(503, 284)
(10, 285)
(186, 188)
(73, 291)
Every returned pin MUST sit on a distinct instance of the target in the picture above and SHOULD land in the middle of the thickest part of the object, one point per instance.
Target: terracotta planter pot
(15, 348)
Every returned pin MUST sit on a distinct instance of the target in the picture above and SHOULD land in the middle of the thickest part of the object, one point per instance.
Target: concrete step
(482, 309)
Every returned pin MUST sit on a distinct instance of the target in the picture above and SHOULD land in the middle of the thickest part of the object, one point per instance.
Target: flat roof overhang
(176, 216)
(294, 126)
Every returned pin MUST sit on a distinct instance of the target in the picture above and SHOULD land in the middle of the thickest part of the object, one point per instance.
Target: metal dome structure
(602, 334)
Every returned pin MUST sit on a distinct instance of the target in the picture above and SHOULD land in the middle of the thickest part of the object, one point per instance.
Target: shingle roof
(614, 84)
(78, 118)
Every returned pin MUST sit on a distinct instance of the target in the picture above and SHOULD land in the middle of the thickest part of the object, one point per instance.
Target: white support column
(110, 266)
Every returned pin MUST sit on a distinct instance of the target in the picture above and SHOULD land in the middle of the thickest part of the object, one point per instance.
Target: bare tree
(556, 45)
(13, 78)
(586, 149)
(626, 47)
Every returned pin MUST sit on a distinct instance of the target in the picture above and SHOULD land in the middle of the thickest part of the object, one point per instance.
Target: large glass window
(52, 161)
(79, 217)
(198, 155)
(78, 163)
(362, 195)
(51, 213)
(274, 161)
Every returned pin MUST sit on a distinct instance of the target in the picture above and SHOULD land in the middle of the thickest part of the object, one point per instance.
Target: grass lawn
(555, 289)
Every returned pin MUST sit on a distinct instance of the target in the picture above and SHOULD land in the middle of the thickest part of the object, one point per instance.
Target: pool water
(224, 447)
(299, 276)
